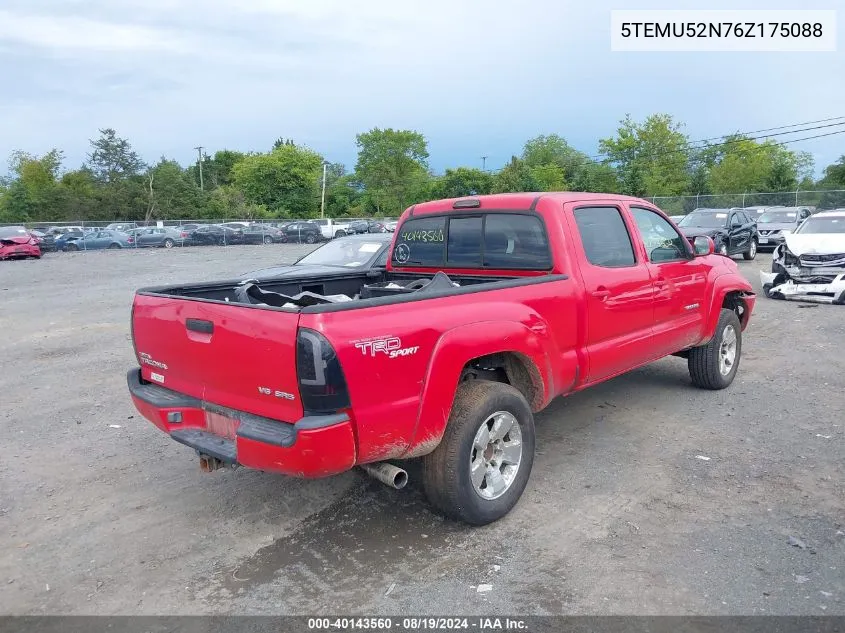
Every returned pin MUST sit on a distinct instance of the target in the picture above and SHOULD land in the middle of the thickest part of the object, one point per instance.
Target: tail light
(131, 240)
(184, 234)
(322, 385)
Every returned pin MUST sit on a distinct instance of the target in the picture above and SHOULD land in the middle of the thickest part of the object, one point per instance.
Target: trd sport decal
(391, 346)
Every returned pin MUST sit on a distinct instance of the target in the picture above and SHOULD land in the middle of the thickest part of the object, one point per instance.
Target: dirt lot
(100, 513)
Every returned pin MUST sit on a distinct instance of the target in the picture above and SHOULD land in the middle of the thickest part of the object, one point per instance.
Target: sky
(477, 78)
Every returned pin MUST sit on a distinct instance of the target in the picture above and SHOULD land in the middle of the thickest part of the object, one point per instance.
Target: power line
(744, 136)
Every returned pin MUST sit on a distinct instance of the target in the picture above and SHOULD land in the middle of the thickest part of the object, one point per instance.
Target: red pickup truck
(489, 308)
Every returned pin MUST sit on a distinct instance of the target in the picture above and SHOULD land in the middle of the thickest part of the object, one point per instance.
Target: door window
(662, 241)
(605, 237)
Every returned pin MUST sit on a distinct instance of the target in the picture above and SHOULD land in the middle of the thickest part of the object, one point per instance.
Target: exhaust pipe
(388, 474)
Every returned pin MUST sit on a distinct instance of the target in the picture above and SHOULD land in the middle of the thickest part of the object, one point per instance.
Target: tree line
(653, 157)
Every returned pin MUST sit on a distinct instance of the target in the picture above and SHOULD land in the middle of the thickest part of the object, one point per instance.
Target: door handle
(660, 282)
(601, 293)
(200, 325)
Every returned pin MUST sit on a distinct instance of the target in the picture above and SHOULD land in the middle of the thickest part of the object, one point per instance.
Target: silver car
(774, 224)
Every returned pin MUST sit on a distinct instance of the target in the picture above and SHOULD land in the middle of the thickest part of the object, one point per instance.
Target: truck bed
(342, 291)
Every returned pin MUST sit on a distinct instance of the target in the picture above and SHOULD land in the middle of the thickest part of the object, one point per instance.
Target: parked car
(353, 252)
(215, 234)
(98, 240)
(264, 234)
(490, 307)
(159, 236)
(366, 226)
(774, 224)
(731, 230)
(307, 232)
(122, 226)
(46, 241)
(187, 228)
(676, 218)
(810, 264)
(390, 226)
(238, 226)
(757, 211)
(17, 243)
(331, 228)
(66, 238)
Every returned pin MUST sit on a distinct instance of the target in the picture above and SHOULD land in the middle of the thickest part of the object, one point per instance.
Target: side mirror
(703, 245)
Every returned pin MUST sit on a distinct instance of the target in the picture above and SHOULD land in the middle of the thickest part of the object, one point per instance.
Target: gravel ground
(100, 513)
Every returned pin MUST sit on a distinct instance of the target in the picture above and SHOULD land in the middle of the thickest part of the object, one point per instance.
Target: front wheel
(340, 233)
(168, 243)
(310, 238)
(714, 366)
(268, 239)
(71, 247)
(481, 467)
(751, 253)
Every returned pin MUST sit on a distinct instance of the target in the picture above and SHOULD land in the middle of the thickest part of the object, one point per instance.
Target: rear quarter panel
(401, 402)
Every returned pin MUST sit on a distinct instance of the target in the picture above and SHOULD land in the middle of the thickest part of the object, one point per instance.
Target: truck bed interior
(317, 294)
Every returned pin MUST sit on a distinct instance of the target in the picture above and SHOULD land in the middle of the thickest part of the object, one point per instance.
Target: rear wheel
(168, 243)
(714, 366)
(71, 247)
(751, 253)
(310, 238)
(340, 233)
(268, 239)
(113, 246)
(481, 467)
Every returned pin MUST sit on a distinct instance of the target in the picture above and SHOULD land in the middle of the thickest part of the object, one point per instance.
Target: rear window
(495, 240)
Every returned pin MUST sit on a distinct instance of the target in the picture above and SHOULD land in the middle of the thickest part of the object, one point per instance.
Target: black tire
(268, 239)
(310, 238)
(446, 470)
(168, 243)
(704, 364)
(71, 247)
(113, 246)
(340, 233)
(751, 253)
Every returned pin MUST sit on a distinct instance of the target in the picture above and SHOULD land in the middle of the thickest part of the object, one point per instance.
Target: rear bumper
(19, 250)
(314, 446)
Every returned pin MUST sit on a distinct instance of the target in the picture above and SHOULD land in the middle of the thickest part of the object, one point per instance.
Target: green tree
(515, 176)
(834, 175)
(34, 191)
(549, 177)
(462, 181)
(112, 158)
(171, 193)
(745, 166)
(650, 157)
(216, 170)
(287, 180)
(392, 165)
(596, 177)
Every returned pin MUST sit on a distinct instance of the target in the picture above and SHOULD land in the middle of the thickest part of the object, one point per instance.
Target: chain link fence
(816, 200)
(86, 235)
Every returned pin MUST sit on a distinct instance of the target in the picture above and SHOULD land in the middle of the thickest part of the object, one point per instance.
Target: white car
(332, 228)
(810, 264)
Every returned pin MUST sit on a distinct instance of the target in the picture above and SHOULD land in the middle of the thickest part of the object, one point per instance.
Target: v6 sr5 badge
(390, 346)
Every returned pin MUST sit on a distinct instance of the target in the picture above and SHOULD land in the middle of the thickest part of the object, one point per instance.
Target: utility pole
(199, 153)
(323, 196)
(483, 163)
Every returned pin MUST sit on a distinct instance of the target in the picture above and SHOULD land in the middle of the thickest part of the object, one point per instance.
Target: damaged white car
(810, 264)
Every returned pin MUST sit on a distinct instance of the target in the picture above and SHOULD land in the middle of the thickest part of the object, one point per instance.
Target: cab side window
(605, 237)
(662, 241)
